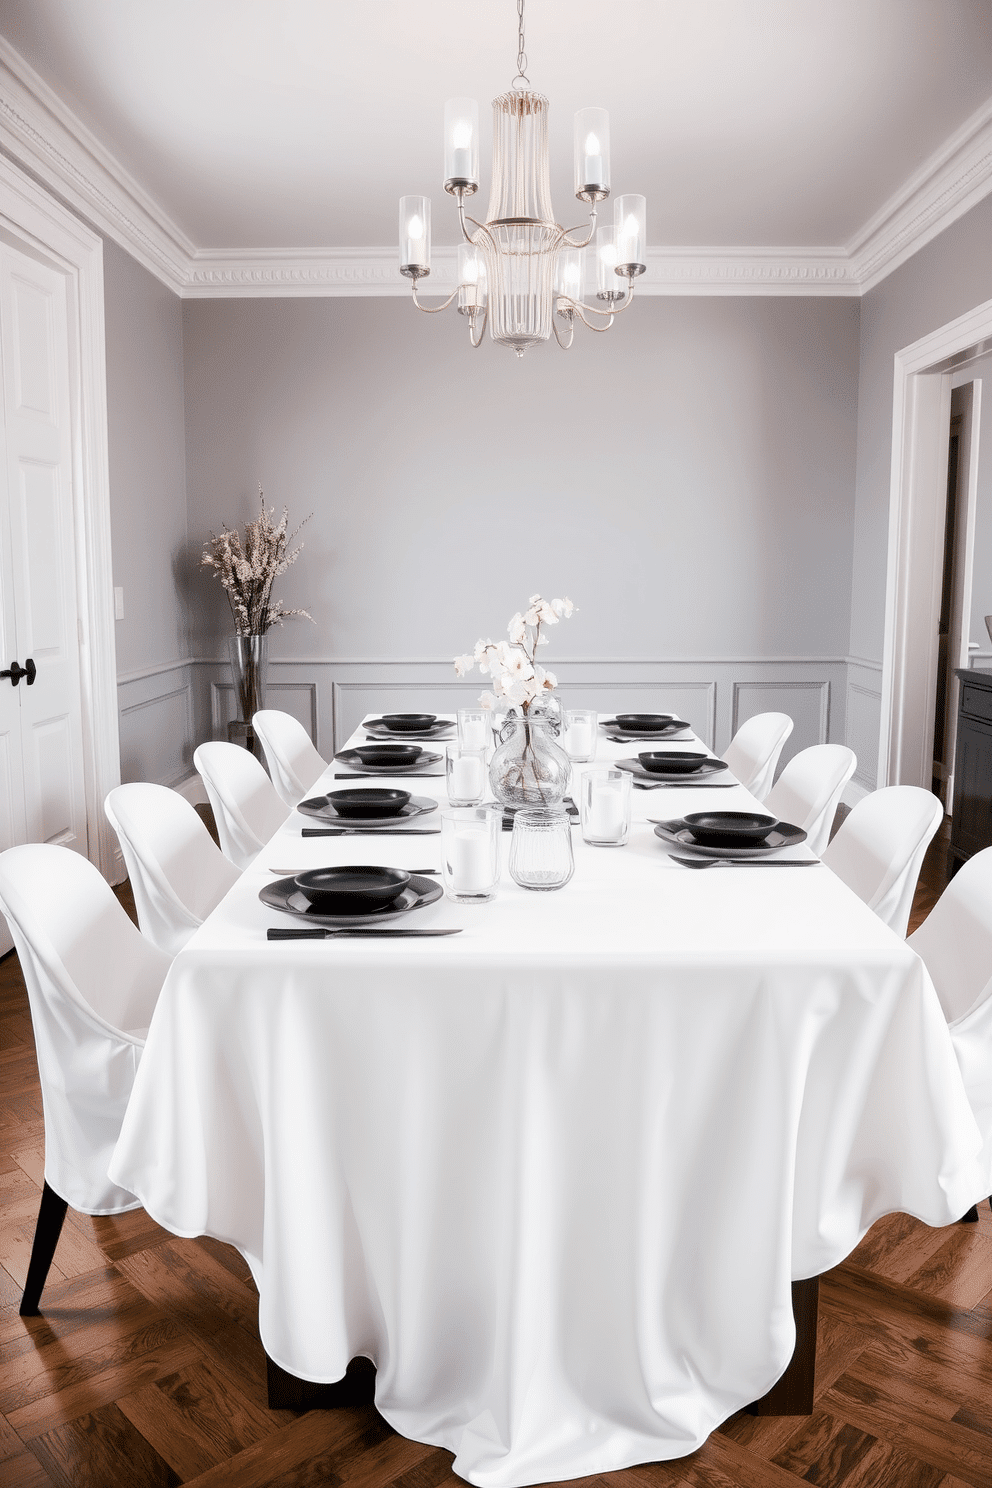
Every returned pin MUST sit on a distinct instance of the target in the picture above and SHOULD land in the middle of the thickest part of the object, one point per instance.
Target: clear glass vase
(530, 768)
(249, 661)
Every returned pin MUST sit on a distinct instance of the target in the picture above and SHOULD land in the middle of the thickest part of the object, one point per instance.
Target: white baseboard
(191, 789)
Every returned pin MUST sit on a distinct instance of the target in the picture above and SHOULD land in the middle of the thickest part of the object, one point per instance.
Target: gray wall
(945, 279)
(148, 518)
(687, 479)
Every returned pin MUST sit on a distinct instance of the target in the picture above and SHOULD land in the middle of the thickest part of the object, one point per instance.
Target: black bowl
(408, 723)
(352, 889)
(730, 828)
(388, 754)
(672, 762)
(638, 723)
(367, 801)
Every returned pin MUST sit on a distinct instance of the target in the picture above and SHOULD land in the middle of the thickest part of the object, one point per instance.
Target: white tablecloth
(553, 1175)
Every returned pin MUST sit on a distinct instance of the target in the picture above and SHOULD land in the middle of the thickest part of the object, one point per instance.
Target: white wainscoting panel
(807, 703)
(157, 724)
(864, 714)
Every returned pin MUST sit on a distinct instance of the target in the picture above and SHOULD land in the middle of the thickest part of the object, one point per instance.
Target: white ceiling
(298, 123)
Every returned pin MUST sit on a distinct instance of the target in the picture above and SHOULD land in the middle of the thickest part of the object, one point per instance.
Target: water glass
(604, 807)
(473, 728)
(578, 737)
(465, 774)
(541, 848)
(470, 853)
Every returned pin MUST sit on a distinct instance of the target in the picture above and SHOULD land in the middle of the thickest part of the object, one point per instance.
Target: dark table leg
(287, 1392)
(792, 1395)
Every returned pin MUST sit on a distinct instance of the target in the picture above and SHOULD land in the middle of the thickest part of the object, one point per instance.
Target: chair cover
(808, 789)
(878, 850)
(293, 762)
(245, 805)
(753, 752)
(92, 982)
(955, 943)
(177, 873)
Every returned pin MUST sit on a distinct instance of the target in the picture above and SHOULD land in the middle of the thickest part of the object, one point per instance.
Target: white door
(41, 748)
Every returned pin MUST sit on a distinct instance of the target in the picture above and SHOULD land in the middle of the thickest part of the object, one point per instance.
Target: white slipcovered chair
(293, 762)
(753, 752)
(93, 981)
(879, 848)
(955, 944)
(808, 789)
(177, 873)
(245, 805)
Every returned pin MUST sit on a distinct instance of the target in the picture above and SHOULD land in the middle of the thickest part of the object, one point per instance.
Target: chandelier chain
(521, 53)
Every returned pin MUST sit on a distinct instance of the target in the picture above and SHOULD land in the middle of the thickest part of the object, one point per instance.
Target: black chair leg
(971, 1217)
(46, 1237)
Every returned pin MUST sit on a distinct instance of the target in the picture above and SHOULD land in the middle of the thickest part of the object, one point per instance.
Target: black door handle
(15, 672)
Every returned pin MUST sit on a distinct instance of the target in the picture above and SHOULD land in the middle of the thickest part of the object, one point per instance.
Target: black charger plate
(674, 777)
(376, 729)
(677, 834)
(353, 760)
(285, 896)
(320, 807)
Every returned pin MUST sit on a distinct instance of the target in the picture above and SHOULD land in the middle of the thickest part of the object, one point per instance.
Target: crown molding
(40, 133)
(954, 179)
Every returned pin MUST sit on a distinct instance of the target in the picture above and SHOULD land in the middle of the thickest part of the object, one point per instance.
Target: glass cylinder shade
(592, 154)
(461, 145)
(568, 273)
(630, 220)
(415, 236)
(471, 278)
(608, 284)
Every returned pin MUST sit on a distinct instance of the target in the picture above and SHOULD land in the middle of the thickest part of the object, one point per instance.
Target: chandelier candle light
(519, 270)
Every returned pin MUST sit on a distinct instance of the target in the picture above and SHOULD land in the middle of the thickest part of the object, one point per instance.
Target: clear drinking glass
(473, 728)
(541, 848)
(578, 737)
(466, 775)
(604, 807)
(470, 853)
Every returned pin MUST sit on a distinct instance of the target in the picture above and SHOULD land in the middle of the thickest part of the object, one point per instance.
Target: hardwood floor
(146, 1368)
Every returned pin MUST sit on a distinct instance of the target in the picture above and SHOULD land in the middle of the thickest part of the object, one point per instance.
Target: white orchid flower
(563, 608)
(517, 629)
(463, 664)
(487, 700)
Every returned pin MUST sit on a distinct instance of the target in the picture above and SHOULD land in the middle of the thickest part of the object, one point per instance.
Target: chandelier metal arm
(432, 309)
(477, 340)
(584, 242)
(565, 315)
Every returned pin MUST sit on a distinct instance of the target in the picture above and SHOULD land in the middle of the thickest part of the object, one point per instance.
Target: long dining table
(555, 1175)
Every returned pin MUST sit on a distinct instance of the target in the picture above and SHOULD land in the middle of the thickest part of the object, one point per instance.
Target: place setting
(353, 900)
(675, 769)
(367, 809)
(633, 728)
(409, 726)
(389, 759)
(731, 839)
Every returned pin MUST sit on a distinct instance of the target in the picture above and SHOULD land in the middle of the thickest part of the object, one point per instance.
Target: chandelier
(519, 270)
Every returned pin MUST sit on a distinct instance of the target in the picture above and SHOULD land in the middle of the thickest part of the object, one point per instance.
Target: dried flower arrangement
(247, 570)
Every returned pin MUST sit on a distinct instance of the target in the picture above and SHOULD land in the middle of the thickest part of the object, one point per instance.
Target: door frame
(40, 226)
(921, 410)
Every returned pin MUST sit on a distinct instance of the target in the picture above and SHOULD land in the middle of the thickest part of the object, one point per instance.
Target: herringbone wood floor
(146, 1368)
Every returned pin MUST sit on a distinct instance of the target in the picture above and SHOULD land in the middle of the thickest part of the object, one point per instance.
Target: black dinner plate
(285, 896)
(677, 834)
(322, 808)
(376, 729)
(354, 762)
(666, 777)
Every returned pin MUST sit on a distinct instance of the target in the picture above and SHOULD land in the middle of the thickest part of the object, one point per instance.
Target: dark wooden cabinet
(971, 820)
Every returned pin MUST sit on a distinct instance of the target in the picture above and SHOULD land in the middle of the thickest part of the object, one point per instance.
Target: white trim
(473, 677)
(42, 133)
(917, 504)
(139, 675)
(44, 226)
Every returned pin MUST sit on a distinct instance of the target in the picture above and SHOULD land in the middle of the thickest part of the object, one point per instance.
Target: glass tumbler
(604, 807)
(466, 775)
(541, 848)
(470, 853)
(578, 737)
(473, 728)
